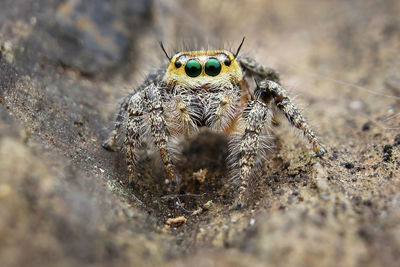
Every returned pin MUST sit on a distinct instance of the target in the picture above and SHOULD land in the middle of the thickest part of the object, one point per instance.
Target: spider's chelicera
(236, 96)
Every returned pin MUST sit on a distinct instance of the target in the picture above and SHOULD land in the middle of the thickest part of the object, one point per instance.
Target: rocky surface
(64, 200)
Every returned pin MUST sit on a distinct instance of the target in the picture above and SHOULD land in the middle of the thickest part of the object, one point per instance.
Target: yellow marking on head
(230, 75)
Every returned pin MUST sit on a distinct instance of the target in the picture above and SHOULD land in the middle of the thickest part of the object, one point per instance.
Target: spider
(235, 96)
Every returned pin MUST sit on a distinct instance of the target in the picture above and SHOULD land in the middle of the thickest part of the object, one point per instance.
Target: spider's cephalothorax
(214, 88)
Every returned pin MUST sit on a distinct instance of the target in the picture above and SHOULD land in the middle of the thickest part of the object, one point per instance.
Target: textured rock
(95, 36)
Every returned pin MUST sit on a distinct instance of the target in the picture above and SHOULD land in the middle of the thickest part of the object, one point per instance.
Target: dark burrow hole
(207, 151)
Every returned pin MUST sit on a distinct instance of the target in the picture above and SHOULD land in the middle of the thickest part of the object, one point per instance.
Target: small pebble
(177, 221)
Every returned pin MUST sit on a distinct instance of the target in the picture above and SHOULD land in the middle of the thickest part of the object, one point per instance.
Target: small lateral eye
(227, 61)
(178, 64)
(193, 68)
(213, 67)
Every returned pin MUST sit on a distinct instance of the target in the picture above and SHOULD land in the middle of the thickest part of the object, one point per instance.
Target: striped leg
(153, 78)
(131, 142)
(272, 90)
(133, 132)
(258, 69)
(158, 127)
(249, 145)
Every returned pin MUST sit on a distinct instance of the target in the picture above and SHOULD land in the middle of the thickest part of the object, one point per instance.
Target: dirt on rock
(65, 200)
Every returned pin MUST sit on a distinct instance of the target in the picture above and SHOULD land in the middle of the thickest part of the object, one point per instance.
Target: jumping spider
(235, 96)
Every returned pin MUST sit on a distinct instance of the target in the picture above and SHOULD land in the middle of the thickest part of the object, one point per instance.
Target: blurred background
(64, 65)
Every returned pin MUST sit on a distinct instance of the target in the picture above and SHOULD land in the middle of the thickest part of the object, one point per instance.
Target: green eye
(193, 68)
(213, 67)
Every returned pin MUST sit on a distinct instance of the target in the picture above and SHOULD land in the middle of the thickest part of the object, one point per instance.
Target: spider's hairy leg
(109, 143)
(135, 117)
(249, 146)
(256, 68)
(269, 90)
(158, 126)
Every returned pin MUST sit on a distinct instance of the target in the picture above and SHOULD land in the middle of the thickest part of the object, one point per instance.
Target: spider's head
(210, 69)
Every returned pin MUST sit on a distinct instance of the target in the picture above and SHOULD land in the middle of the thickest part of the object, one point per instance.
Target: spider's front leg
(256, 115)
(254, 67)
(269, 90)
(135, 111)
(153, 78)
(130, 113)
(158, 127)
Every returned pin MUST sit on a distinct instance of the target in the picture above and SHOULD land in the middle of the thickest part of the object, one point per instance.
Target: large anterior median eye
(193, 68)
(213, 67)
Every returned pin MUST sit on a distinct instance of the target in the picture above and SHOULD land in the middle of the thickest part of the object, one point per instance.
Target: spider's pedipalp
(183, 114)
(222, 110)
